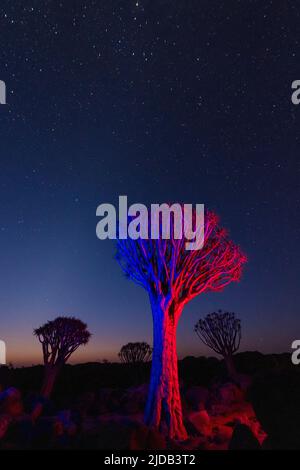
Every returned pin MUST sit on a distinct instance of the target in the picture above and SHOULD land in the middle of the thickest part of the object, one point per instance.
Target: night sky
(159, 100)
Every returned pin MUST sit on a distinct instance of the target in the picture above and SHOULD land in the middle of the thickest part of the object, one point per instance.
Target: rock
(112, 435)
(138, 393)
(200, 421)
(243, 438)
(85, 402)
(275, 399)
(229, 394)
(146, 438)
(244, 381)
(121, 432)
(129, 407)
(101, 408)
(222, 434)
(197, 397)
(4, 424)
(103, 400)
(134, 400)
(110, 399)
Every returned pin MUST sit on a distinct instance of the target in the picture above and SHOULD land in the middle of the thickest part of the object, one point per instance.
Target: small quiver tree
(221, 331)
(132, 353)
(59, 339)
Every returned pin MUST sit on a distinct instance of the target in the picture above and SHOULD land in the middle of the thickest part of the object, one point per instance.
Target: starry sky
(160, 100)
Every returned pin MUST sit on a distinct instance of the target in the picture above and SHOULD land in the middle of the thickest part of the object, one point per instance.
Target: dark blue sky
(161, 101)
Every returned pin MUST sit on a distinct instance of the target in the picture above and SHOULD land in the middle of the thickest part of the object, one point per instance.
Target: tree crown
(220, 331)
(61, 337)
(135, 352)
(165, 267)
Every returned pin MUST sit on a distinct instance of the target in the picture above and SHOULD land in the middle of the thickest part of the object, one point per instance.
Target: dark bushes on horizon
(92, 376)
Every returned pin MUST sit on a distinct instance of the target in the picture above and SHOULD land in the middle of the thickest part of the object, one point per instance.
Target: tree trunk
(49, 380)
(232, 373)
(164, 403)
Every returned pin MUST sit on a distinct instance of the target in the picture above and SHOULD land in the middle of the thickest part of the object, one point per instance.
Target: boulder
(243, 439)
(229, 394)
(134, 400)
(110, 399)
(244, 381)
(122, 432)
(222, 434)
(197, 397)
(275, 399)
(144, 438)
(200, 422)
(112, 435)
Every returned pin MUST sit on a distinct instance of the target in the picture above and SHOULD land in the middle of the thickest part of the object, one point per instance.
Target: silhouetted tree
(133, 353)
(221, 331)
(59, 339)
(173, 276)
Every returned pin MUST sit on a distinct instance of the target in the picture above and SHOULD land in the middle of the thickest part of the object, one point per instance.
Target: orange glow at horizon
(27, 353)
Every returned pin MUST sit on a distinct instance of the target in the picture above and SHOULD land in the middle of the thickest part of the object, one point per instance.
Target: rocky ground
(101, 405)
(210, 417)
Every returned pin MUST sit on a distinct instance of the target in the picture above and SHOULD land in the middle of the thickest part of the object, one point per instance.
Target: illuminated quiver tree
(173, 276)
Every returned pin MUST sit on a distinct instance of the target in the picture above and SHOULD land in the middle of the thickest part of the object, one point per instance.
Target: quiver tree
(59, 339)
(173, 276)
(221, 331)
(135, 353)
